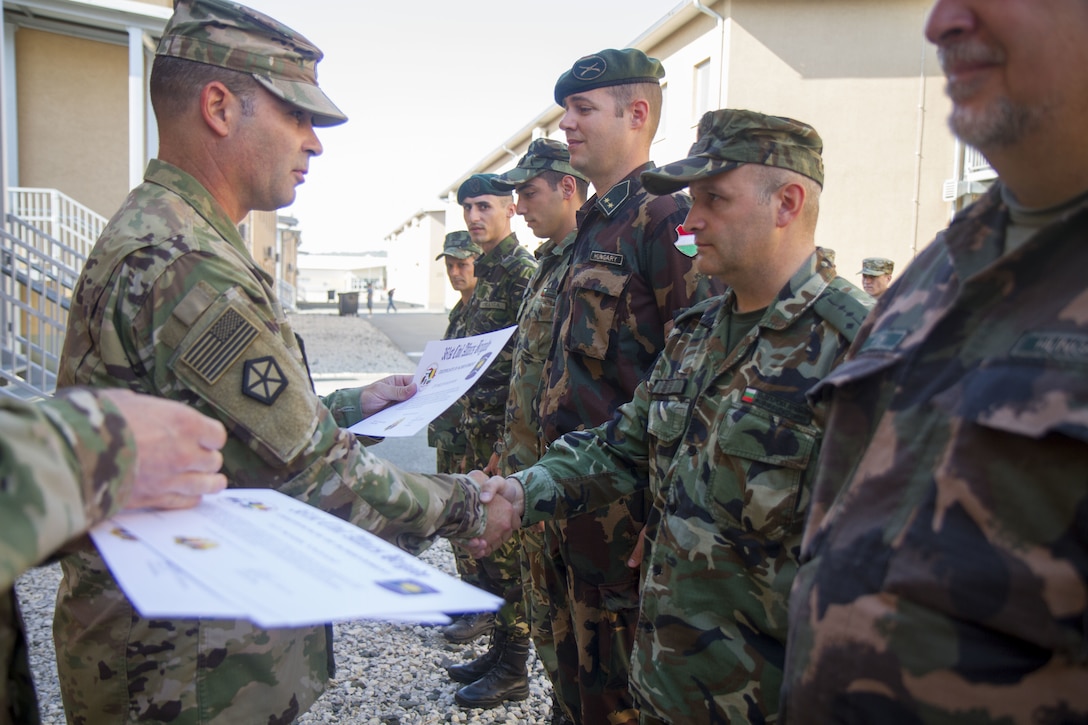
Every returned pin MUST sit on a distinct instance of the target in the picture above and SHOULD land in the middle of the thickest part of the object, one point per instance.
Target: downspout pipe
(720, 21)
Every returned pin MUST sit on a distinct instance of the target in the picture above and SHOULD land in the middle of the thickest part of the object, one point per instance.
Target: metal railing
(37, 276)
(59, 216)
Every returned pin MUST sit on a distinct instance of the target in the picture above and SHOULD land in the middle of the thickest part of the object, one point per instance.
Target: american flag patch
(219, 347)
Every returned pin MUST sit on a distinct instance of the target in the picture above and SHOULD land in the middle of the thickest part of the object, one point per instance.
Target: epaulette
(704, 311)
(845, 306)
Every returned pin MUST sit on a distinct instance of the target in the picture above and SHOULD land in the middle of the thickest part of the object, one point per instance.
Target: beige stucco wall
(73, 117)
(862, 74)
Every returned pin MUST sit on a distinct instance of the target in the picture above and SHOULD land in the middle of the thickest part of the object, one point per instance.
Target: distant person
(170, 303)
(77, 459)
(945, 557)
(876, 275)
(502, 273)
(370, 299)
(446, 433)
(389, 300)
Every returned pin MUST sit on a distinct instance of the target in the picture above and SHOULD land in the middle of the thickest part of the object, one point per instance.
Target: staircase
(44, 243)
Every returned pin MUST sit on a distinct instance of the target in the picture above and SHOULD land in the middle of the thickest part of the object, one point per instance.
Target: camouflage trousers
(544, 582)
(450, 461)
(595, 637)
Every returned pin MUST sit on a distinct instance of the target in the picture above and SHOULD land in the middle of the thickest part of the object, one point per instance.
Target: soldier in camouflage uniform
(720, 433)
(445, 433)
(945, 574)
(171, 303)
(876, 275)
(614, 306)
(550, 192)
(502, 272)
(72, 461)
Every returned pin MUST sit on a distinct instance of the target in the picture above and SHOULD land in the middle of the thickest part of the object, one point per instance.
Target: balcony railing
(59, 216)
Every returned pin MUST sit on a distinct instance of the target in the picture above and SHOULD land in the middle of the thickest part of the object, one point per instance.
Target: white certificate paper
(260, 555)
(446, 371)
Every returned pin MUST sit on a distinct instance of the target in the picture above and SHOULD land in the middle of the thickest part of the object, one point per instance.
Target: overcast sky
(430, 87)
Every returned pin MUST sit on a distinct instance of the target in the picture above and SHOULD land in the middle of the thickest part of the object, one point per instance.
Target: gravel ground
(387, 674)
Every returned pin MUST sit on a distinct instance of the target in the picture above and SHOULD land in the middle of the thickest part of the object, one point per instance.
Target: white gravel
(387, 674)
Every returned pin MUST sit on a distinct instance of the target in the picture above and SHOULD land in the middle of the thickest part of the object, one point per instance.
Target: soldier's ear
(215, 107)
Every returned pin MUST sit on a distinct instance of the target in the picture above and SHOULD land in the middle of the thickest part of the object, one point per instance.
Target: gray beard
(1002, 125)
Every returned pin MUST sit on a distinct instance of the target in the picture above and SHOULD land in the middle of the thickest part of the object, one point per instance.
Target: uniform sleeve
(65, 464)
(210, 334)
(585, 470)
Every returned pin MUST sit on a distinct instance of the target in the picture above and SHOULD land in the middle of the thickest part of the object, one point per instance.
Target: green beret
(542, 155)
(232, 36)
(609, 67)
(481, 185)
(459, 245)
(876, 266)
(729, 137)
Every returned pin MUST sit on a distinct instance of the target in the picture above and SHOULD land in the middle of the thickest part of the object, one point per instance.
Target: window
(700, 91)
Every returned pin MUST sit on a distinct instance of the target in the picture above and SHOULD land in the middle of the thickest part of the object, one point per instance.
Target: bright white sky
(430, 87)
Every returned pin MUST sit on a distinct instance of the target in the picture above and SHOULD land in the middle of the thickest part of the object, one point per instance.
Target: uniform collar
(195, 195)
(611, 202)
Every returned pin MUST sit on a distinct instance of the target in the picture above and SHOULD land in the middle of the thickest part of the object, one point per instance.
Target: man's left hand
(381, 394)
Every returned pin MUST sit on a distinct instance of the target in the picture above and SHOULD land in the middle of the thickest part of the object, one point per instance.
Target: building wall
(70, 91)
(863, 75)
(412, 268)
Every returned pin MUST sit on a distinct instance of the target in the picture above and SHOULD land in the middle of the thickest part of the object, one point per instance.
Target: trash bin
(349, 303)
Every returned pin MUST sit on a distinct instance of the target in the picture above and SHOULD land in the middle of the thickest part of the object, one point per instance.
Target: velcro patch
(219, 347)
(788, 409)
(607, 258)
(263, 380)
(668, 387)
(885, 340)
(1061, 347)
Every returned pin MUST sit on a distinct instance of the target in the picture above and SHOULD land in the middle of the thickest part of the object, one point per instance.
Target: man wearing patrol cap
(445, 433)
(171, 303)
(720, 433)
(502, 272)
(549, 194)
(613, 308)
(876, 275)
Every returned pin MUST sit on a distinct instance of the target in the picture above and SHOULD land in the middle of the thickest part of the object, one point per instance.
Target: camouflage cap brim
(679, 174)
(456, 254)
(305, 96)
(515, 176)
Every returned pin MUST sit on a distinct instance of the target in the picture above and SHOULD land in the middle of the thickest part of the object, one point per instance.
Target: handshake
(504, 500)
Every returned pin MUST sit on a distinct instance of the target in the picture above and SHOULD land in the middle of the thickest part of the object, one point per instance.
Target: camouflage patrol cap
(729, 138)
(542, 155)
(876, 266)
(609, 67)
(459, 245)
(232, 36)
(481, 185)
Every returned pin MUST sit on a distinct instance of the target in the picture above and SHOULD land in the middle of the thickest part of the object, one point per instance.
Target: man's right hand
(177, 451)
(503, 518)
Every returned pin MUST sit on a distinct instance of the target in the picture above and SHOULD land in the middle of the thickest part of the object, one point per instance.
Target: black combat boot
(468, 627)
(507, 680)
(469, 672)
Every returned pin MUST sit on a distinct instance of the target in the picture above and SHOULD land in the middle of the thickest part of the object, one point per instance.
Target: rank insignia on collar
(263, 380)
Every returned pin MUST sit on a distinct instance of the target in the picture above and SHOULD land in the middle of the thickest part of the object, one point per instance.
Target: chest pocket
(538, 320)
(760, 486)
(596, 295)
